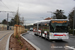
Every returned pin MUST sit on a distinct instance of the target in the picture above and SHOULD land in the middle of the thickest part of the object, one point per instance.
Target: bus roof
(42, 21)
(60, 19)
(48, 20)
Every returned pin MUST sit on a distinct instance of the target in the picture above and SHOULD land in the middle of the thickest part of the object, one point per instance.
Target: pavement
(72, 36)
(3, 38)
(44, 44)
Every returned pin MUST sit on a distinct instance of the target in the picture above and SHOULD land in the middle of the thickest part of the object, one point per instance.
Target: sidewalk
(72, 36)
(3, 42)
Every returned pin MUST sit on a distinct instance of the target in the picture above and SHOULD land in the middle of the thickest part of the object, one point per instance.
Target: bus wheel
(34, 34)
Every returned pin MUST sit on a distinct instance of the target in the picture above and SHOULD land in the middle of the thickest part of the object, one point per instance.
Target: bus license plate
(59, 38)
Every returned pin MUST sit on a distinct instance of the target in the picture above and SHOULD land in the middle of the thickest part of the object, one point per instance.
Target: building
(3, 27)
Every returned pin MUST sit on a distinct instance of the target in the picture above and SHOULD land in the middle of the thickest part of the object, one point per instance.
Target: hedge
(71, 32)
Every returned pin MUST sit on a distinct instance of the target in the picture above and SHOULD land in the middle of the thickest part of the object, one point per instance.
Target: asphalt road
(44, 44)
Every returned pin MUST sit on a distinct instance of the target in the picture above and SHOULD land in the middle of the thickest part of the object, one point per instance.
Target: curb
(7, 45)
(30, 43)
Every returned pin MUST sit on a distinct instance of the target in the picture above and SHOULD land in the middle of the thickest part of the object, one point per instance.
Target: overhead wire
(4, 4)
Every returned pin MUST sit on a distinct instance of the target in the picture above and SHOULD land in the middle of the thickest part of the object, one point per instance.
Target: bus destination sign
(59, 21)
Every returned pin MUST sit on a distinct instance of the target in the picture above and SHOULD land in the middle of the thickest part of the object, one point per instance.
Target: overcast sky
(34, 10)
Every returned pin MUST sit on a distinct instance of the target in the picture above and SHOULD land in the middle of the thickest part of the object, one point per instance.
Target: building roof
(47, 18)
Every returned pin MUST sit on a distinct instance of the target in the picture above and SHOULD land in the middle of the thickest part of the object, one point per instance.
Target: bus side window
(51, 28)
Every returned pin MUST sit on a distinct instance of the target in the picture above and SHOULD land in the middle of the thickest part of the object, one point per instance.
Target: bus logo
(59, 35)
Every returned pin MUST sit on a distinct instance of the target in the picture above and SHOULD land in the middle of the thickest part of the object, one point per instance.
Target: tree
(59, 14)
(11, 23)
(4, 21)
(71, 19)
(16, 19)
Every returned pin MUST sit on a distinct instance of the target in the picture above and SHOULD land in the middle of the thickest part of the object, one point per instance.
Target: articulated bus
(52, 29)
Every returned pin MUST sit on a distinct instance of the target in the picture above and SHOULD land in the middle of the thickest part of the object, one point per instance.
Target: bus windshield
(59, 27)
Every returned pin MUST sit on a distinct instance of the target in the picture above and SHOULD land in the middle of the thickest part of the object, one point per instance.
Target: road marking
(30, 43)
(69, 47)
(3, 36)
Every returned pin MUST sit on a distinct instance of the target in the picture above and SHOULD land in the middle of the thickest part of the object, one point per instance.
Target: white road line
(70, 47)
(30, 43)
(4, 36)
